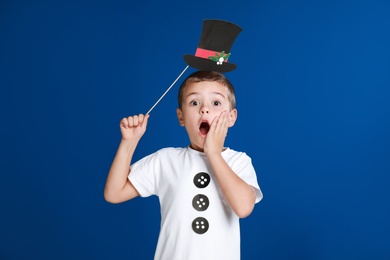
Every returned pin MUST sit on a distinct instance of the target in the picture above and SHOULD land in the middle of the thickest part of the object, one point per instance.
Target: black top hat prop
(214, 46)
(213, 50)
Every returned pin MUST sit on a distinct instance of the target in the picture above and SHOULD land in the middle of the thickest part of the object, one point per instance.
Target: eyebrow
(197, 93)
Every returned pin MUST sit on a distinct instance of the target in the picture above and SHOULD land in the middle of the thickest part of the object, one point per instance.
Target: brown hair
(200, 76)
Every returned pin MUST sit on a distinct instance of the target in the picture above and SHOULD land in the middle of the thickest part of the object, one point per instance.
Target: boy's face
(202, 103)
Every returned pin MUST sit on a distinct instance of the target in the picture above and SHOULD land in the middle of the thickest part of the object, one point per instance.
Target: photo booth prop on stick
(213, 50)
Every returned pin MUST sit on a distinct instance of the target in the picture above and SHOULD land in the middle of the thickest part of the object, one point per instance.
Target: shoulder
(168, 152)
(171, 150)
(231, 154)
(159, 157)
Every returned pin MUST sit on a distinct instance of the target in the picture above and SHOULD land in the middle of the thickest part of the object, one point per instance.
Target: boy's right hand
(134, 127)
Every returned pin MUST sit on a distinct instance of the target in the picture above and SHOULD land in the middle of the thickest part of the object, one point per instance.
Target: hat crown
(218, 35)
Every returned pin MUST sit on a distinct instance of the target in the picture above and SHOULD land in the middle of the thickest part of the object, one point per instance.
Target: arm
(118, 187)
(240, 195)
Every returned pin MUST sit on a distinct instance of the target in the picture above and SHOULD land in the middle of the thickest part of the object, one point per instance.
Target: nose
(204, 110)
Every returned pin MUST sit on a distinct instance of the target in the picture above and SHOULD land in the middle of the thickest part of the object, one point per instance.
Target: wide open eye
(194, 103)
(216, 103)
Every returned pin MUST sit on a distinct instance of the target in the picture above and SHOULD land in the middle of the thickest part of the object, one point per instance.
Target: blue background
(313, 90)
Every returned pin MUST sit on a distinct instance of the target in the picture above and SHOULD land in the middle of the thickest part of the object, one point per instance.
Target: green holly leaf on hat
(219, 58)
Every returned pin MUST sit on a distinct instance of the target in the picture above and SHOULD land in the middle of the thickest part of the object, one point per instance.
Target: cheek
(219, 109)
(192, 124)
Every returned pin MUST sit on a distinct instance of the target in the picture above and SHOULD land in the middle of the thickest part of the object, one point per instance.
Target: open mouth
(204, 128)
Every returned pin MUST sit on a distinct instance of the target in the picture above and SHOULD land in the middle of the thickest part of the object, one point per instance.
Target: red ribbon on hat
(203, 53)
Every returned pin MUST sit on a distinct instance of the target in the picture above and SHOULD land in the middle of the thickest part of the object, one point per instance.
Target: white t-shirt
(196, 221)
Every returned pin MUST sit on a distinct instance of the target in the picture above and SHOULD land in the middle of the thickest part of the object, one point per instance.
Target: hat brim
(207, 65)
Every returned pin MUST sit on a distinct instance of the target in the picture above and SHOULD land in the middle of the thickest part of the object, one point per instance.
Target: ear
(233, 117)
(179, 114)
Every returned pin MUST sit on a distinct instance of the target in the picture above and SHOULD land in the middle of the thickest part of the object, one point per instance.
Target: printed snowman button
(200, 202)
(201, 180)
(200, 225)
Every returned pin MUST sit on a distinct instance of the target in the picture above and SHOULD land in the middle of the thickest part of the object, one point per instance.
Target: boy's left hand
(215, 138)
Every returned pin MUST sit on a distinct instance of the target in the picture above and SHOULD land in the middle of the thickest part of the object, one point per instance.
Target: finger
(124, 123)
(225, 123)
(213, 124)
(130, 122)
(226, 119)
(135, 121)
(221, 123)
(140, 119)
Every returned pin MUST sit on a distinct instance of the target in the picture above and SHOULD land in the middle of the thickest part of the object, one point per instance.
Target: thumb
(145, 121)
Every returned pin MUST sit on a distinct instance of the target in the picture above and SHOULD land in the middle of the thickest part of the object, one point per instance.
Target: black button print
(200, 202)
(201, 180)
(200, 225)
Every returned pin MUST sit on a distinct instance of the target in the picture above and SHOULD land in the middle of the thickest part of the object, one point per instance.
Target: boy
(204, 188)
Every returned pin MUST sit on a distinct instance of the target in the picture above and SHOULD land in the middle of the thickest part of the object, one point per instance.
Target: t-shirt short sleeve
(241, 164)
(143, 177)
